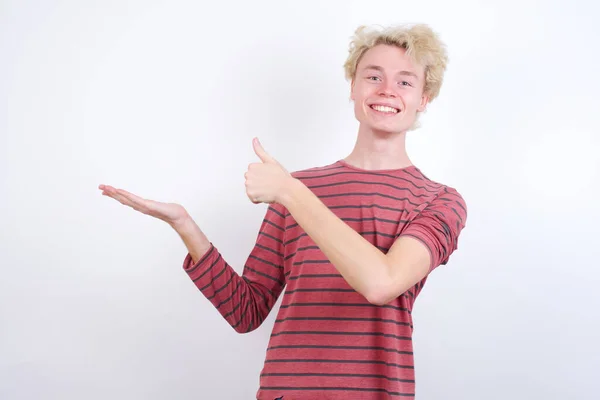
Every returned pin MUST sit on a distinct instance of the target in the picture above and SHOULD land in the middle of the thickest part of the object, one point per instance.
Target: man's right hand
(174, 214)
(171, 213)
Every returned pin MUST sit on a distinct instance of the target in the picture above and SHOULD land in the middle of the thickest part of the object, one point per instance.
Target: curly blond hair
(420, 42)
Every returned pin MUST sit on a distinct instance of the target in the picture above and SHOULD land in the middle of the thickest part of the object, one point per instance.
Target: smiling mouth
(384, 109)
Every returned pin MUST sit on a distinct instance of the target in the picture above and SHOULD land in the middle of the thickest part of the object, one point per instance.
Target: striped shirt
(328, 341)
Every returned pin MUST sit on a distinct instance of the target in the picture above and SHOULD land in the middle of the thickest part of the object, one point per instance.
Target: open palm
(168, 212)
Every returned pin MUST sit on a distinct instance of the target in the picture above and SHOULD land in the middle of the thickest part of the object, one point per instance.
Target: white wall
(163, 98)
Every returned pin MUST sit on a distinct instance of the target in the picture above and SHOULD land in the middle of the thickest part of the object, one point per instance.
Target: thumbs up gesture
(267, 180)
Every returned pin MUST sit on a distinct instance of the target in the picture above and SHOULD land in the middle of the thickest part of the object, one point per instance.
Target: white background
(163, 98)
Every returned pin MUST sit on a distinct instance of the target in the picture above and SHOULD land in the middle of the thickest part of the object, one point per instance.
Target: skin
(385, 76)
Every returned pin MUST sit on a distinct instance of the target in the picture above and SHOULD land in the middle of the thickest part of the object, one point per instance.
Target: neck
(379, 150)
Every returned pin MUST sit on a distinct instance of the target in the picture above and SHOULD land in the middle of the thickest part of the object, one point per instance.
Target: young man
(352, 243)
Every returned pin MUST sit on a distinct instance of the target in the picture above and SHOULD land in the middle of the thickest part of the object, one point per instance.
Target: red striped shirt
(328, 341)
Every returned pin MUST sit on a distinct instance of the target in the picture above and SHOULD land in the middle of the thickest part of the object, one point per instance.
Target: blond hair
(420, 42)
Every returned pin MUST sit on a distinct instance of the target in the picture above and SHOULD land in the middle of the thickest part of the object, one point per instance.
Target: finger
(125, 198)
(136, 202)
(261, 153)
(105, 187)
(131, 197)
(108, 191)
(120, 198)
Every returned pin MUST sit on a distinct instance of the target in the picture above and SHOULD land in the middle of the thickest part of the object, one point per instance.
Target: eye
(372, 78)
(405, 83)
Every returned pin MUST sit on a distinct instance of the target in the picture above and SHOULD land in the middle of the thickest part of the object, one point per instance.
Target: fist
(267, 180)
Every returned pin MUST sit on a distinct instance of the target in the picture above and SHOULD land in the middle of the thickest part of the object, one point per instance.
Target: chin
(386, 129)
(386, 132)
(381, 128)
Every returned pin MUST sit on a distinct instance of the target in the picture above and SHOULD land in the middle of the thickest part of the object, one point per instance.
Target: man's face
(388, 90)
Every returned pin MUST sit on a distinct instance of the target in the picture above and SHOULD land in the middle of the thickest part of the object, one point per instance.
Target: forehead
(391, 59)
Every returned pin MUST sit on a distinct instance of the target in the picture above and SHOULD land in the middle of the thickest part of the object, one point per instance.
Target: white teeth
(384, 109)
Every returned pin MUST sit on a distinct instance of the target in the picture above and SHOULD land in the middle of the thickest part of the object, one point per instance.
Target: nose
(386, 89)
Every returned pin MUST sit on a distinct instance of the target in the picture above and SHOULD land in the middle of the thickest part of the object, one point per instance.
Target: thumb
(261, 153)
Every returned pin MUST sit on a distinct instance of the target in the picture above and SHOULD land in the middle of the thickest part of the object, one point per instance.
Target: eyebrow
(380, 69)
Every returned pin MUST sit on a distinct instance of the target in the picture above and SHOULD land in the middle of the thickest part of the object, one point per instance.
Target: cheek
(358, 108)
(358, 99)
(361, 97)
(413, 101)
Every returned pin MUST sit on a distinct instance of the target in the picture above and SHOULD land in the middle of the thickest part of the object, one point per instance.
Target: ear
(424, 102)
(352, 90)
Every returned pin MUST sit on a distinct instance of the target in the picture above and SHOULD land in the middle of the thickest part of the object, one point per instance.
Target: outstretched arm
(244, 301)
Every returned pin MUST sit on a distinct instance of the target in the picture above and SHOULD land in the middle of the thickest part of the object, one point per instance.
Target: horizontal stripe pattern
(327, 340)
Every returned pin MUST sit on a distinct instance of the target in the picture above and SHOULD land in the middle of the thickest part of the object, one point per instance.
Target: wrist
(183, 224)
(290, 191)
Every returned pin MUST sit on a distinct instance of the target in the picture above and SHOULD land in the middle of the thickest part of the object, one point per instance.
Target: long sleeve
(439, 226)
(245, 301)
